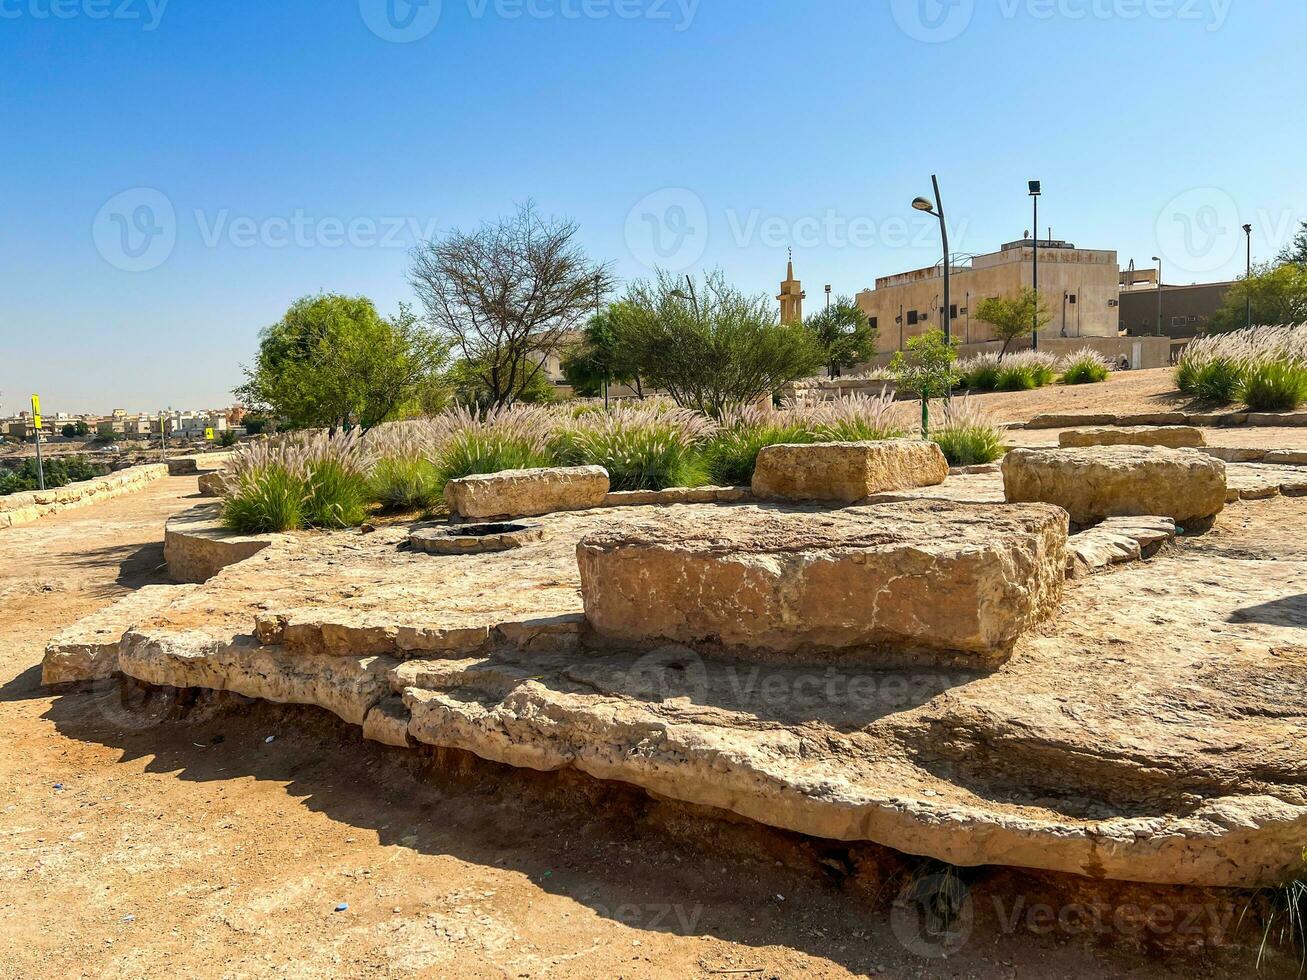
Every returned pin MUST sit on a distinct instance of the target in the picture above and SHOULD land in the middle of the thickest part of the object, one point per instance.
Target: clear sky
(176, 173)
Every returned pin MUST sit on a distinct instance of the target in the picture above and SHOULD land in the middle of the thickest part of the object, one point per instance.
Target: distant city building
(1080, 286)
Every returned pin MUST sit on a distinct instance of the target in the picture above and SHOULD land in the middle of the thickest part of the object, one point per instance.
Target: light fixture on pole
(937, 209)
(828, 296)
(1036, 189)
(1159, 294)
(1248, 233)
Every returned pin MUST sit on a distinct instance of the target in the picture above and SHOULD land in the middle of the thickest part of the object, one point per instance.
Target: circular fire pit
(473, 539)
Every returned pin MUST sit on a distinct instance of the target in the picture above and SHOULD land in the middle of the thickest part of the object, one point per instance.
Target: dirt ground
(250, 840)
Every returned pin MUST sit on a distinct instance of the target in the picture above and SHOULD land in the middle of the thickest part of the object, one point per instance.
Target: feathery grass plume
(731, 455)
(967, 436)
(404, 478)
(856, 418)
(981, 372)
(1026, 371)
(649, 446)
(1273, 385)
(510, 438)
(298, 480)
(1085, 366)
(1214, 368)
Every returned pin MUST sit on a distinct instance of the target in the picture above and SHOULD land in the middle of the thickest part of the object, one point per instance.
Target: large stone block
(88, 649)
(197, 547)
(1169, 436)
(847, 472)
(1118, 481)
(923, 582)
(527, 493)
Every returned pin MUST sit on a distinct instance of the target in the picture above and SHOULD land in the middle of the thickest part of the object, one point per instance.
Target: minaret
(792, 295)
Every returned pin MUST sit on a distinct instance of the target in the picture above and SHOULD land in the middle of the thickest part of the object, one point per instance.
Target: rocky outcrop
(88, 649)
(32, 505)
(846, 472)
(213, 483)
(197, 547)
(907, 583)
(527, 493)
(1118, 481)
(1170, 436)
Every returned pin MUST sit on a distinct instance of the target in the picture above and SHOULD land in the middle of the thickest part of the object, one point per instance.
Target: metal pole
(1248, 231)
(1034, 336)
(40, 466)
(1159, 297)
(943, 231)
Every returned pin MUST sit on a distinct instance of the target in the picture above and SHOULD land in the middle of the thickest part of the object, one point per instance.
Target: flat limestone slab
(893, 584)
(1171, 436)
(1118, 481)
(1154, 730)
(527, 493)
(1116, 541)
(846, 472)
(88, 649)
(197, 547)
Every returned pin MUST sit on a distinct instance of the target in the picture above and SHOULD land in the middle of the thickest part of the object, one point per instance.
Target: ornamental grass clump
(966, 436)
(516, 438)
(297, 481)
(643, 447)
(1272, 385)
(731, 455)
(857, 418)
(1262, 366)
(1026, 371)
(404, 478)
(981, 372)
(1085, 366)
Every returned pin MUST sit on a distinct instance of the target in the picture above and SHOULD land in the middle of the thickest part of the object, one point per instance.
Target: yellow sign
(36, 421)
(208, 434)
(36, 411)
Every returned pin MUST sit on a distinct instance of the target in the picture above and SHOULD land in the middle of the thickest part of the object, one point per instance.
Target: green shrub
(59, 472)
(1274, 385)
(1084, 367)
(980, 373)
(1218, 380)
(647, 447)
(335, 495)
(966, 436)
(731, 455)
(405, 483)
(263, 500)
(487, 451)
(1186, 375)
(857, 418)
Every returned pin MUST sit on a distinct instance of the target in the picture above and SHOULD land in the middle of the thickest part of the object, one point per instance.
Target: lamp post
(937, 209)
(1248, 233)
(828, 296)
(1159, 294)
(1036, 189)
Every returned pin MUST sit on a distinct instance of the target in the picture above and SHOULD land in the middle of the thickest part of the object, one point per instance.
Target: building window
(953, 311)
(912, 318)
(873, 322)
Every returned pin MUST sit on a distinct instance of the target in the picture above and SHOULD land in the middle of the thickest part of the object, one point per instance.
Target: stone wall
(23, 508)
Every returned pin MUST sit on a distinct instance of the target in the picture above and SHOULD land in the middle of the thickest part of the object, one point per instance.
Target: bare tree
(508, 294)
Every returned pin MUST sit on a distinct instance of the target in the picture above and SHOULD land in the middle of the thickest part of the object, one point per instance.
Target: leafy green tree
(227, 438)
(1278, 293)
(467, 382)
(82, 428)
(333, 362)
(1296, 252)
(844, 334)
(69, 431)
(600, 356)
(1014, 316)
(712, 348)
(927, 369)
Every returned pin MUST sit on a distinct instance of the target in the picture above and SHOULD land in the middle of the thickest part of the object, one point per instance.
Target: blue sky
(176, 173)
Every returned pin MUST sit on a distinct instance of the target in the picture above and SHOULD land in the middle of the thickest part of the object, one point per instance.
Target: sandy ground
(133, 844)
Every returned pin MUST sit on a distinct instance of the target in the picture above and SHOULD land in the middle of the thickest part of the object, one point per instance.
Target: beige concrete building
(1080, 286)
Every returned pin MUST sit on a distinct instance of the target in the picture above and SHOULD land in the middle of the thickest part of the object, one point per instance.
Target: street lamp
(688, 297)
(1036, 189)
(937, 209)
(828, 296)
(1248, 233)
(1159, 294)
